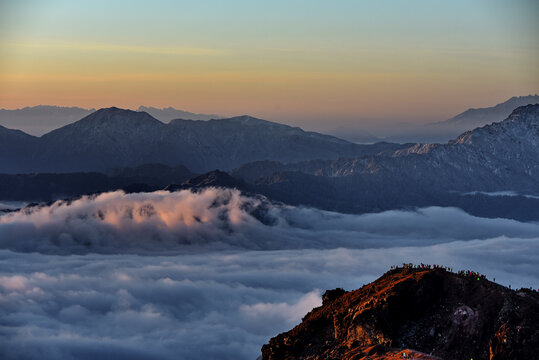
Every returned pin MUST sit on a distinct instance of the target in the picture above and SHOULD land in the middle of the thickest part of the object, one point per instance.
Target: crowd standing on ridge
(472, 274)
(421, 266)
(465, 273)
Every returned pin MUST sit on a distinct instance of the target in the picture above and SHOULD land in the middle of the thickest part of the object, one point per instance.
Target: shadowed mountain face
(418, 314)
(48, 187)
(113, 137)
(16, 147)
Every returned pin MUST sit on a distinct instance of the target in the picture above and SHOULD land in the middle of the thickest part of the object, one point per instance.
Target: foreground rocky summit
(417, 313)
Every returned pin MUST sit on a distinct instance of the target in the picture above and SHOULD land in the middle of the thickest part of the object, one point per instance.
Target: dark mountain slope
(48, 187)
(111, 138)
(16, 150)
(417, 313)
(227, 143)
(103, 140)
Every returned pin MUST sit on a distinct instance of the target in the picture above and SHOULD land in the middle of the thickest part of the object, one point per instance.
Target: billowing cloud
(220, 273)
(225, 219)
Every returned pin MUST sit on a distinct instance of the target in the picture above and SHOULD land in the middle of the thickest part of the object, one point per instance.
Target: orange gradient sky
(304, 62)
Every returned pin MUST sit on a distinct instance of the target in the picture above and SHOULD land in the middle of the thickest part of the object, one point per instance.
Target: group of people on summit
(421, 266)
(472, 274)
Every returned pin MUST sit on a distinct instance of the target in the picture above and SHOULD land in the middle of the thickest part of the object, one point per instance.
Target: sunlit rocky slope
(417, 314)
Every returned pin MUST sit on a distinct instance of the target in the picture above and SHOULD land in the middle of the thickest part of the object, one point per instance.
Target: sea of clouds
(213, 274)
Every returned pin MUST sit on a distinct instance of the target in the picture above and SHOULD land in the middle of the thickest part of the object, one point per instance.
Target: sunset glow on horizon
(306, 62)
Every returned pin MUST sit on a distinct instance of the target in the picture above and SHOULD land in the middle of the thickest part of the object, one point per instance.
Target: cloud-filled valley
(217, 218)
(219, 305)
(213, 274)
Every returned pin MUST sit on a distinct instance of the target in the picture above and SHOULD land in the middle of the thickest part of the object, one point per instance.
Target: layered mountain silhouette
(499, 159)
(170, 113)
(442, 131)
(417, 313)
(38, 120)
(492, 171)
(113, 137)
(473, 118)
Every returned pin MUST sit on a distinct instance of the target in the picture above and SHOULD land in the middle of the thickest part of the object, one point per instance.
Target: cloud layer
(213, 275)
(219, 305)
(212, 219)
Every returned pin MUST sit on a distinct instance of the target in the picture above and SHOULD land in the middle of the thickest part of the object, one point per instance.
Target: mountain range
(112, 137)
(500, 159)
(491, 171)
(483, 116)
(443, 131)
(38, 120)
(41, 119)
(170, 113)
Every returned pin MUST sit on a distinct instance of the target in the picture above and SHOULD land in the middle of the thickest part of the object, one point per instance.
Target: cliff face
(417, 314)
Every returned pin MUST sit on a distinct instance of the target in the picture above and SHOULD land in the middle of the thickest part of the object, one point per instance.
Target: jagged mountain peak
(523, 121)
(528, 113)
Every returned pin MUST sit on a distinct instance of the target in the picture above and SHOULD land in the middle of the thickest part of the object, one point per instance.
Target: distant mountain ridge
(484, 116)
(38, 120)
(41, 119)
(443, 131)
(114, 137)
(170, 113)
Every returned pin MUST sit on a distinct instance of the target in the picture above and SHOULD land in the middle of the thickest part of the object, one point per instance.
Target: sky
(308, 63)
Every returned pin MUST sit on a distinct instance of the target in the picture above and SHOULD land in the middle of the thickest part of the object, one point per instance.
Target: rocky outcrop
(417, 314)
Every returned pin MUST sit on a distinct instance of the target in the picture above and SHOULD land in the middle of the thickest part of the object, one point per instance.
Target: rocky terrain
(417, 313)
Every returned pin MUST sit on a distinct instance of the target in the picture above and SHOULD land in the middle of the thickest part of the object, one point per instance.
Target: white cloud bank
(213, 282)
(224, 219)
